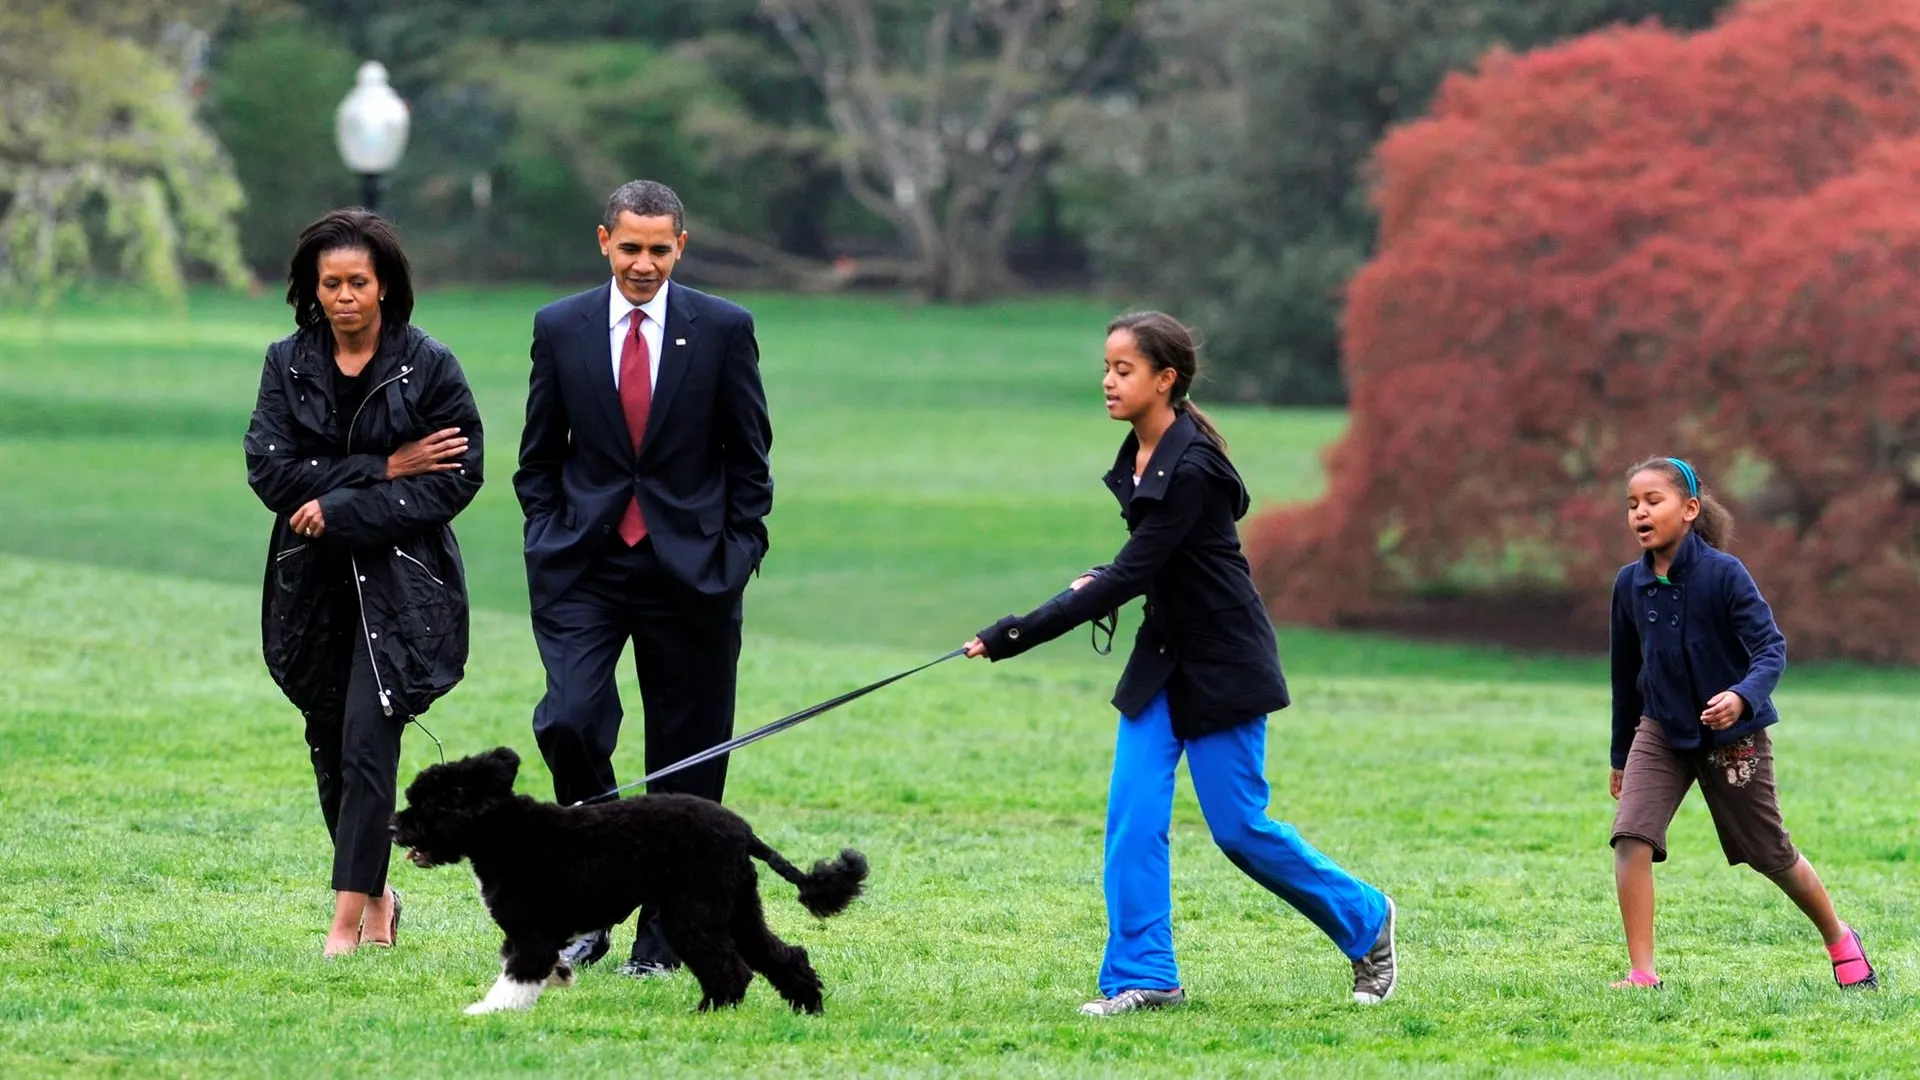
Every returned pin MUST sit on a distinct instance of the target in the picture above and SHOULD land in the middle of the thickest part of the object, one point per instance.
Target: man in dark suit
(644, 480)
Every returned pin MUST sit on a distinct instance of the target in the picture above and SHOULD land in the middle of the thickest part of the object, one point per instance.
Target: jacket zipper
(421, 565)
(288, 553)
(360, 596)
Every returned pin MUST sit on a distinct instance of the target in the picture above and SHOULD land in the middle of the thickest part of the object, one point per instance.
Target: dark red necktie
(636, 398)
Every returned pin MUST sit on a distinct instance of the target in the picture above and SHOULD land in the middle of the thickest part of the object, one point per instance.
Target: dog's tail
(829, 887)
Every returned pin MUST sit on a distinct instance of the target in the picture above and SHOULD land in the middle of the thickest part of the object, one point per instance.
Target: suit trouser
(686, 653)
(356, 762)
(1228, 775)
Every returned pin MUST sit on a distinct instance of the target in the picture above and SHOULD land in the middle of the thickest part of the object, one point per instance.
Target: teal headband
(1693, 478)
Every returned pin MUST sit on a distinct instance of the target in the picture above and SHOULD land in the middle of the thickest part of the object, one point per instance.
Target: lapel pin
(679, 341)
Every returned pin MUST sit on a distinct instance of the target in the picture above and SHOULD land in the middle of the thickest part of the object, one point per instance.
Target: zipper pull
(386, 704)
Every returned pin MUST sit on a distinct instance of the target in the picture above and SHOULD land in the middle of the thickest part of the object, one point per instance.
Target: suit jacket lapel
(676, 352)
(596, 349)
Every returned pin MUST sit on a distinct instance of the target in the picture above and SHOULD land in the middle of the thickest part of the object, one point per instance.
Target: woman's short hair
(348, 230)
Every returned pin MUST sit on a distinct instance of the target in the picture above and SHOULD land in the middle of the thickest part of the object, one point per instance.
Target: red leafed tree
(1640, 243)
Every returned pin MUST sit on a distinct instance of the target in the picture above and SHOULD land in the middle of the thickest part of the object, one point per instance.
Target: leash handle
(1106, 625)
(774, 728)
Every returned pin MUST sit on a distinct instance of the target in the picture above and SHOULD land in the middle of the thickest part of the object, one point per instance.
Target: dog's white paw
(507, 996)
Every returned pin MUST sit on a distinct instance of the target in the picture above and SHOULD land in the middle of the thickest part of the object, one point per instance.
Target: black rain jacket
(388, 541)
(1205, 637)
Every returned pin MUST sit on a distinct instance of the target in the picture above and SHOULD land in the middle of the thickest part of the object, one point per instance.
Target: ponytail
(1205, 425)
(1715, 523)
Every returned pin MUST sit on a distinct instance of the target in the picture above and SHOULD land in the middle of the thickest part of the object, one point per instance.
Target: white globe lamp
(371, 129)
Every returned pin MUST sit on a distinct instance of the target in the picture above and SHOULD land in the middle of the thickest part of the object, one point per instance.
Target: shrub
(1640, 242)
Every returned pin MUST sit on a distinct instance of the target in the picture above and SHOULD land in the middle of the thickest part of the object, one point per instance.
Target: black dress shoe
(647, 969)
(650, 956)
(587, 949)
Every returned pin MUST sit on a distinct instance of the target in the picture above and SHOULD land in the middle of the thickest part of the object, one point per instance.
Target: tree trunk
(969, 266)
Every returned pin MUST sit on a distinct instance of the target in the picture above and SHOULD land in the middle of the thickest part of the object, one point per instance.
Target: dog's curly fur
(550, 873)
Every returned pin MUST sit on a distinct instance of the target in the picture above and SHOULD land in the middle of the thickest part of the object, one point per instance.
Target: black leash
(774, 728)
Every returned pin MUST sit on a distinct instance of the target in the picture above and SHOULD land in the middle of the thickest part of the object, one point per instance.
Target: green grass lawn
(164, 866)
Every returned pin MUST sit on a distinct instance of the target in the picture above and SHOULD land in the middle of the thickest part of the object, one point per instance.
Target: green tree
(1630, 241)
(585, 118)
(272, 97)
(1231, 189)
(527, 113)
(105, 168)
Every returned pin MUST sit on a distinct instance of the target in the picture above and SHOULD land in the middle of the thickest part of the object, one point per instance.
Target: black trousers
(356, 763)
(686, 654)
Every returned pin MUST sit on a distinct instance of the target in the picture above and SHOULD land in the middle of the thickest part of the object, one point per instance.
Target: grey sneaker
(1127, 1001)
(1375, 974)
(585, 950)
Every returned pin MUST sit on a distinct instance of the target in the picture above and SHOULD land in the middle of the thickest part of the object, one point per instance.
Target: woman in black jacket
(1204, 674)
(365, 443)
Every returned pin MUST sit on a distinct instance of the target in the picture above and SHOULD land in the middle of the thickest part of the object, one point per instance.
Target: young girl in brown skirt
(1696, 656)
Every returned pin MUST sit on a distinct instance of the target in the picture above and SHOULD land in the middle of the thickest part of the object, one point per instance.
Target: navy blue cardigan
(1677, 645)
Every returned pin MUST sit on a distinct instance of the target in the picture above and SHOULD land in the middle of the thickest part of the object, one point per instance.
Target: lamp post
(371, 129)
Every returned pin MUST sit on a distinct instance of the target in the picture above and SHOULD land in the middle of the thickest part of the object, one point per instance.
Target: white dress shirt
(653, 329)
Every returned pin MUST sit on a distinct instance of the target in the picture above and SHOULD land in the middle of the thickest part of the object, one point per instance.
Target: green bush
(272, 96)
(1233, 193)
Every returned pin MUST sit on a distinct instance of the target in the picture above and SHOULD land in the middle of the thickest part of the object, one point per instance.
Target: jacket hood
(1182, 442)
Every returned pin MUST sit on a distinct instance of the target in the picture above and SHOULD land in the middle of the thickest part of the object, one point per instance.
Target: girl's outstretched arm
(1161, 531)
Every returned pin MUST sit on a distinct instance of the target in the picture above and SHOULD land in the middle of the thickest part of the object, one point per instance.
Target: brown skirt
(1736, 780)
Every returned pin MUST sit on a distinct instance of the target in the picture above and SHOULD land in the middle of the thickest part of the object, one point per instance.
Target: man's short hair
(647, 198)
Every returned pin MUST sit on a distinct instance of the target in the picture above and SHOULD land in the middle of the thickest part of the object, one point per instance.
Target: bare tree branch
(793, 31)
(938, 112)
(1016, 31)
(868, 83)
(1005, 212)
(939, 30)
(758, 265)
(1108, 58)
(1007, 202)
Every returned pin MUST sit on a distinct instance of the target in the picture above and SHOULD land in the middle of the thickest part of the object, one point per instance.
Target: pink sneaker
(1851, 971)
(1639, 980)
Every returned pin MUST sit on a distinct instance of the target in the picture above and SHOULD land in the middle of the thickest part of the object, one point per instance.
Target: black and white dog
(550, 873)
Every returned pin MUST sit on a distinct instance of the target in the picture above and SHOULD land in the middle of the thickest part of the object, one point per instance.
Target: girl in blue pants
(1204, 674)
